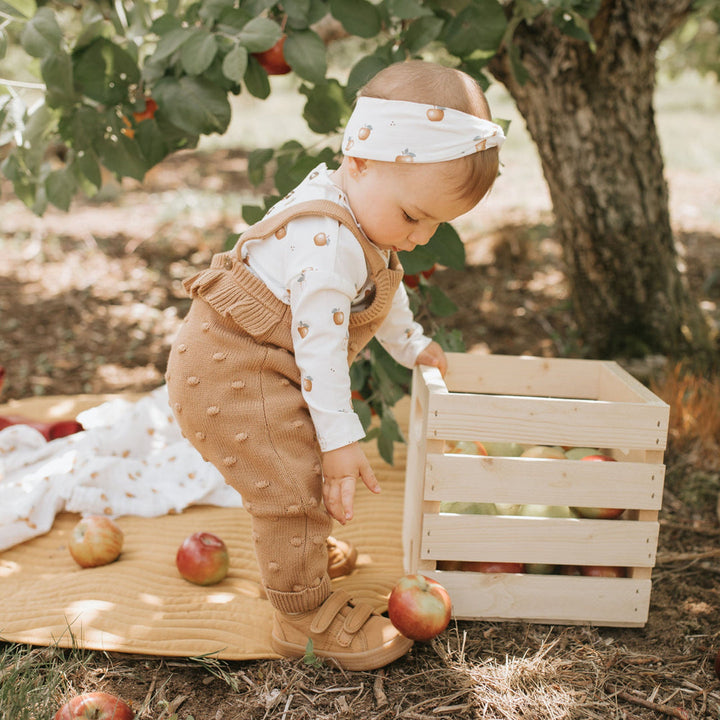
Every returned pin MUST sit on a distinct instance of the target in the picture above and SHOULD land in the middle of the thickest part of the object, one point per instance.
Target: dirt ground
(89, 302)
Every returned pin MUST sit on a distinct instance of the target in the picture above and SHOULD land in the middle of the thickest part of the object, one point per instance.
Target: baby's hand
(434, 356)
(341, 469)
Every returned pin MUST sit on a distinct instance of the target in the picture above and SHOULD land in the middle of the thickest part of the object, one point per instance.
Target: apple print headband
(400, 131)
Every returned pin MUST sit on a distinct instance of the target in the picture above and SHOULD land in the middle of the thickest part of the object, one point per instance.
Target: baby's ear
(358, 166)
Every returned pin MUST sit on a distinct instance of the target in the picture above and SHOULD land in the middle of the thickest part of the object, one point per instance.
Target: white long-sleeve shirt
(318, 268)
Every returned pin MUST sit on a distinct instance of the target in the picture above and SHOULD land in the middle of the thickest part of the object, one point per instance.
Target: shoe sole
(367, 660)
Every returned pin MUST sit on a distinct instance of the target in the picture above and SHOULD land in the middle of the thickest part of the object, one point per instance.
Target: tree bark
(591, 115)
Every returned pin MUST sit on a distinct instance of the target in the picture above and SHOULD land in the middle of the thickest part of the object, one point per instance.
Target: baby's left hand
(434, 356)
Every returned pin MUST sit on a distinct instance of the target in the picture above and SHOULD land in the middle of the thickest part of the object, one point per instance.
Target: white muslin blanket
(130, 460)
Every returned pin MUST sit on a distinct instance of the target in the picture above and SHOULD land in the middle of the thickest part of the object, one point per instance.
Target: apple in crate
(419, 607)
(544, 451)
(95, 706)
(578, 453)
(203, 559)
(95, 540)
(467, 447)
(594, 512)
(602, 571)
(492, 567)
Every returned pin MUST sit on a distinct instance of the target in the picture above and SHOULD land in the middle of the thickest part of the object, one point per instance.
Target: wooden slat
(469, 478)
(547, 598)
(503, 538)
(618, 385)
(545, 421)
(523, 375)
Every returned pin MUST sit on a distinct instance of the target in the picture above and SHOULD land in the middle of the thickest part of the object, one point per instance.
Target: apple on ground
(544, 451)
(492, 567)
(602, 571)
(273, 60)
(203, 559)
(594, 512)
(95, 540)
(419, 607)
(578, 453)
(95, 706)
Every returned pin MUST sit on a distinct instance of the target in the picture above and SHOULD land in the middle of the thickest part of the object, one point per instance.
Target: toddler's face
(400, 206)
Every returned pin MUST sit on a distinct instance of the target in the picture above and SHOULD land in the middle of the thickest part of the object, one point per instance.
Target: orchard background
(109, 201)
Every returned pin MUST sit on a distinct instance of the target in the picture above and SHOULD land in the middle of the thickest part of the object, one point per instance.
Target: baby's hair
(432, 84)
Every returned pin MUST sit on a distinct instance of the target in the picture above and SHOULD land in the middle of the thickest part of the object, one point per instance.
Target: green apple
(503, 449)
(466, 447)
(508, 508)
(540, 568)
(468, 508)
(548, 511)
(578, 453)
(544, 451)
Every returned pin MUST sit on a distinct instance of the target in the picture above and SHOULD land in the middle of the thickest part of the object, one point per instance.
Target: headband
(400, 131)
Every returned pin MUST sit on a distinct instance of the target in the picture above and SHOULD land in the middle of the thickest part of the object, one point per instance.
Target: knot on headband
(400, 131)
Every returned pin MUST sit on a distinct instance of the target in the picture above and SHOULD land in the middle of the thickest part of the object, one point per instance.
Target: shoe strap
(357, 617)
(328, 610)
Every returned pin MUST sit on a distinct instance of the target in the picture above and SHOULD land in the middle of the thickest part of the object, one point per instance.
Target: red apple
(273, 60)
(95, 540)
(419, 607)
(412, 281)
(95, 706)
(599, 513)
(493, 567)
(148, 113)
(602, 571)
(203, 559)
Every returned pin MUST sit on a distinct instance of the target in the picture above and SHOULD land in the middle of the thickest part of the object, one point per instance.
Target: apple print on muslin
(338, 316)
(435, 114)
(303, 328)
(364, 132)
(321, 239)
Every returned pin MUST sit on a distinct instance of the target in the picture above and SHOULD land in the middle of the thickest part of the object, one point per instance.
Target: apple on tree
(95, 540)
(273, 60)
(419, 607)
(95, 706)
(203, 559)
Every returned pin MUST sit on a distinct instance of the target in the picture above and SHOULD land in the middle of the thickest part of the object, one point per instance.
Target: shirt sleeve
(325, 270)
(400, 334)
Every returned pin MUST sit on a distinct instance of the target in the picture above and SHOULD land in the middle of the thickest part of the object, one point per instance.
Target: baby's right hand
(341, 469)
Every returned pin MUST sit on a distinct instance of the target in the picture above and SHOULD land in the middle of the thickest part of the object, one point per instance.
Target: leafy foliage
(125, 84)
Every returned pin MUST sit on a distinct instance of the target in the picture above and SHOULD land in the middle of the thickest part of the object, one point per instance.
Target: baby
(258, 376)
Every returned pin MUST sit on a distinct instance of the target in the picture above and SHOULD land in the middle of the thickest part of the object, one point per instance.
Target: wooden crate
(536, 401)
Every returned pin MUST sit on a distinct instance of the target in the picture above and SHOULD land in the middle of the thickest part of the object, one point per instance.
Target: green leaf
(389, 434)
(193, 105)
(103, 71)
(42, 35)
(363, 411)
(416, 261)
(169, 43)
(60, 186)
(257, 160)
(298, 12)
(198, 51)
(235, 63)
(407, 9)
(447, 248)
(256, 79)
(450, 340)
(440, 304)
(479, 27)
(422, 32)
(252, 214)
(358, 17)
(325, 110)
(259, 34)
(152, 141)
(363, 70)
(305, 53)
(122, 156)
(18, 8)
(57, 72)
(86, 163)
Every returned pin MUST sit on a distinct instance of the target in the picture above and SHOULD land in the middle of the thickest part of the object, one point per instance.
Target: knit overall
(234, 388)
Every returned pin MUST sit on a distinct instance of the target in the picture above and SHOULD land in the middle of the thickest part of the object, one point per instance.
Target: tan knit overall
(234, 388)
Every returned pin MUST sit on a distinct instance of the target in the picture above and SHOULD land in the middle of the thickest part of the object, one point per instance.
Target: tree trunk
(591, 115)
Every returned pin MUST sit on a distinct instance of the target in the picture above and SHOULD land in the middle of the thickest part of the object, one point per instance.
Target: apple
(449, 565)
(544, 451)
(95, 706)
(95, 540)
(540, 568)
(412, 281)
(148, 113)
(203, 559)
(273, 60)
(602, 571)
(503, 449)
(548, 511)
(599, 513)
(419, 607)
(578, 453)
(466, 447)
(493, 567)
(468, 508)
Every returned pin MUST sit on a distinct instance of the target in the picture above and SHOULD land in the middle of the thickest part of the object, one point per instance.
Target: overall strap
(272, 223)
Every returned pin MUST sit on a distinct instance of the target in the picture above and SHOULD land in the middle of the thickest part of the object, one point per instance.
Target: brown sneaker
(342, 557)
(352, 634)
